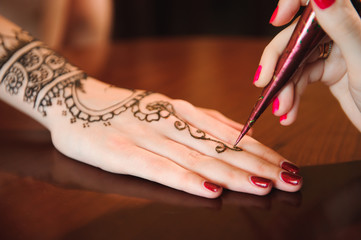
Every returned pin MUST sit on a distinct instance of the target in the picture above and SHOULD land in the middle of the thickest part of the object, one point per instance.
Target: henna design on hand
(42, 76)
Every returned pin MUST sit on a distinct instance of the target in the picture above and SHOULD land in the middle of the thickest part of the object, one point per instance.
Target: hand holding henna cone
(304, 40)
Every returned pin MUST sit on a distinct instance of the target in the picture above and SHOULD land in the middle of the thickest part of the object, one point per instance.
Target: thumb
(342, 23)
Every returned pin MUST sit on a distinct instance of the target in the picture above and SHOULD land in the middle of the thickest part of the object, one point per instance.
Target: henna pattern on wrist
(29, 69)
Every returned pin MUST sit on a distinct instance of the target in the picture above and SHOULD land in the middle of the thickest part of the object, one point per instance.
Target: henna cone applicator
(305, 38)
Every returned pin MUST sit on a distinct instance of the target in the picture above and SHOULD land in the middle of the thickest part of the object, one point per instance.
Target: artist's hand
(340, 71)
(167, 141)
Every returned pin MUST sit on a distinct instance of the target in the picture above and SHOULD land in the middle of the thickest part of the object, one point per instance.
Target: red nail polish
(260, 181)
(211, 186)
(258, 72)
(276, 105)
(323, 4)
(290, 167)
(291, 178)
(274, 14)
(283, 117)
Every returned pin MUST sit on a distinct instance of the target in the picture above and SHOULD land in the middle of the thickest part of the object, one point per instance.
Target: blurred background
(139, 18)
(81, 30)
(62, 20)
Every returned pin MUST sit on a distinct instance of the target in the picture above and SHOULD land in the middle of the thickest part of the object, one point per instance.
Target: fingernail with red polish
(283, 117)
(211, 186)
(260, 181)
(276, 105)
(291, 178)
(258, 72)
(323, 4)
(290, 167)
(274, 14)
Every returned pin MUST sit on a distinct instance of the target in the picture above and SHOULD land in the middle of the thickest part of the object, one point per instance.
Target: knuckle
(261, 167)
(215, 112)
(263, 192)
(186, 180)
(180, 103)
(193, 159)
(232, 175)
(267, 154)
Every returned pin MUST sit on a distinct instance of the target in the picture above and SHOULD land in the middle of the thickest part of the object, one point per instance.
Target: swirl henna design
(44, 77)
(164, 110)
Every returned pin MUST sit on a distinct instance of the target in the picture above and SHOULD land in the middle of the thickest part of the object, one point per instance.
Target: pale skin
(133, 132)
(341, 71)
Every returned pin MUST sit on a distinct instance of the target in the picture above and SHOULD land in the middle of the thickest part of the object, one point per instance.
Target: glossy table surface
(45, 195)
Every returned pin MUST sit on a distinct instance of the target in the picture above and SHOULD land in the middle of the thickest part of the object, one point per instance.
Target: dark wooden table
(45, 195)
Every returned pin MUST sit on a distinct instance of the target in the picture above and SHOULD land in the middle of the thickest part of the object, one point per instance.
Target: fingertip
(275, 105)
(274, 15)
(293, 181)
(288, 181)
(284, 102)
(283, 119)
(263, 192)
(285, 12)
(262, 77)
(290, 115)
(266, 192)
(263, 74)
(212, 190)
(287, 119)
(290, 167)
(323, 4)
(270, 56)
(262, 186)
(257, 74)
